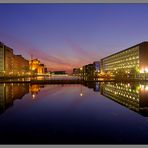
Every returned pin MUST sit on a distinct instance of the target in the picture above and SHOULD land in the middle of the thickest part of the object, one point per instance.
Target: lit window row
(124, 101)
(123, 93)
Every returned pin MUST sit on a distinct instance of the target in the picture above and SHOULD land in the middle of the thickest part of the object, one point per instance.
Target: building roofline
(5, 45)
(1, 43)
(125, 50)
(19, 55)
(88, 65)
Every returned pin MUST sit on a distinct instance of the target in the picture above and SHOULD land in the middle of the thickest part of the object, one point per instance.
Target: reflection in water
(81, 92)
(34, 89)
(61, 115)
(132, 95)
(94, 85)
(11, 92)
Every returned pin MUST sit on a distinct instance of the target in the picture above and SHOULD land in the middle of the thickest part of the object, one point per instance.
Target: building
(17, 65)
(97, 70)
(11, 64)
(34, 64)
(41, 69)
(88, 70)
(129, 63)
(77, 71)
(59, 73)
(36, 67)
(6, 60)
(20, 65)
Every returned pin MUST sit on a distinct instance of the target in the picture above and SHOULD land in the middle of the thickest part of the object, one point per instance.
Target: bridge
(44, 80)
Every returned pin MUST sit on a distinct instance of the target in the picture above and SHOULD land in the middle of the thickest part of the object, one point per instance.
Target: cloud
(84, 56)
(29, 49)
(80, 56)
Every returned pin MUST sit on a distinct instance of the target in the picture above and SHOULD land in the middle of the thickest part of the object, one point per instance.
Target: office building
(96, 69)
(11, 64)
(88, 70)
(96, 66)
(77, 71)
(131, 62)
(91, 71)
(6, 60)
(20, 65)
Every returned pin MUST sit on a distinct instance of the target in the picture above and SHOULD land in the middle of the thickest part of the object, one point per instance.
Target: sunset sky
(64, 36)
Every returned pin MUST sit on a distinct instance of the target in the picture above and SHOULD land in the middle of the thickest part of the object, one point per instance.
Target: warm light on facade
(142, 70)
(131, 62)
(142, 87)
(146, 69)
(36, 66)
(33, 68)
(33, 96)
(146, 88)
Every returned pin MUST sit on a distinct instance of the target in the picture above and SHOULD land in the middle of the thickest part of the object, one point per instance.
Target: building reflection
(34, 89)
(92, 85)
(10, 92)
(132, 95)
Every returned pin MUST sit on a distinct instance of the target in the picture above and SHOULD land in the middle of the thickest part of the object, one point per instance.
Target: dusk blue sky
(64, 36)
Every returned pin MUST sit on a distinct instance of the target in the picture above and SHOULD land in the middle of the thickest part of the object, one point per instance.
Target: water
(58, 77)
(92, 113)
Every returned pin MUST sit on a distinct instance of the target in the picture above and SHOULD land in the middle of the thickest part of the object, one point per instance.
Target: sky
(64, 36)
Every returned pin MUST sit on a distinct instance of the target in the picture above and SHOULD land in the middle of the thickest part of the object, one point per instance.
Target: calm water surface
(92, 113)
